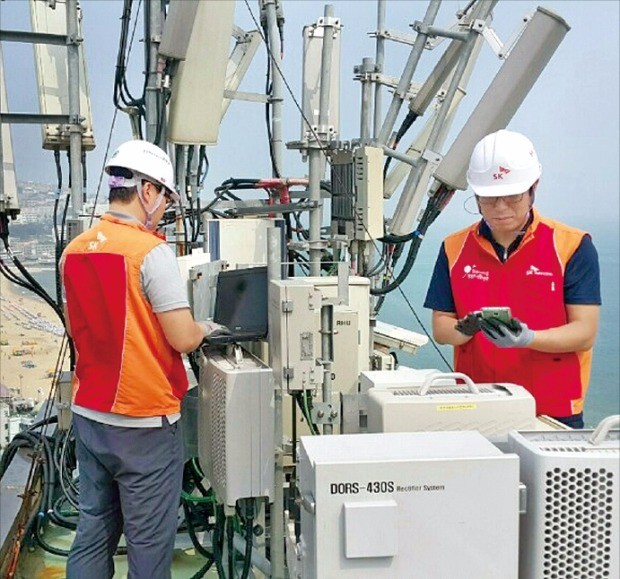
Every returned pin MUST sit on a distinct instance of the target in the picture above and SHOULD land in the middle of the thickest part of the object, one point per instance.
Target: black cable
(249, 524)
(192, 533)
(230, 533)
(188, 168)
(433, 208)
(36, 287)
(202, 571)
(218, 541)
(55, 217)
(122, 93)
(404, 127)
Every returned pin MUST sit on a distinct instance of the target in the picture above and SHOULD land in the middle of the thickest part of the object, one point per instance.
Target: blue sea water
(603, 397)
(604, 393)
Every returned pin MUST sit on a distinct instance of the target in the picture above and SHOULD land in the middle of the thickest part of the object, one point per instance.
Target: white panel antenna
(8, 190)
(311, 81)
(526, 61)
(52, 77)
(198, 87)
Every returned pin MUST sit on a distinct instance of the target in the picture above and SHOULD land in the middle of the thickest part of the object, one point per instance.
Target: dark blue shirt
(581, 279)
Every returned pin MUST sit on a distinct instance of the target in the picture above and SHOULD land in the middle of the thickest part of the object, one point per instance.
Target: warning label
(449, 407)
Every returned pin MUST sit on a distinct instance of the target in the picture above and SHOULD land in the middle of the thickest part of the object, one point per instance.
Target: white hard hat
(503, 163)
(146, 159)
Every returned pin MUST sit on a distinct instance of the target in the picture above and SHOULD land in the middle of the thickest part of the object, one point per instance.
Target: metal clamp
(323, 413)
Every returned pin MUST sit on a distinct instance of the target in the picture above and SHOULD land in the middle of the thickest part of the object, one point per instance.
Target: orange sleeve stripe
(565, 238)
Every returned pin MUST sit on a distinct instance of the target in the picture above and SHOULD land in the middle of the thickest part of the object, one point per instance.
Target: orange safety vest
(124, 364)
(531, 283)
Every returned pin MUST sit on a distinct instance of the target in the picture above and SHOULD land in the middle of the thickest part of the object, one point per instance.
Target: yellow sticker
(448, 407)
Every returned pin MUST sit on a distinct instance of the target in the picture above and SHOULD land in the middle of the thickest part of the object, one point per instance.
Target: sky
(571, 114)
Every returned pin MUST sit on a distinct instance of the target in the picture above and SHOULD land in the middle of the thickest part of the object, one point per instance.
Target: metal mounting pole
(75, 126)
(274, 251)
(405, 79)
(327, 357)
(415, 175)
(155, 118)
(315, 154)
(276, 86)
(379, 59)
(367, 67)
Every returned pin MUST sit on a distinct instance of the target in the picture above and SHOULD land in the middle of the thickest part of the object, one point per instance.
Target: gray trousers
(130, 482)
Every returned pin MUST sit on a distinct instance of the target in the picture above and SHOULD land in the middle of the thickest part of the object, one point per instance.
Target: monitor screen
(241, 300)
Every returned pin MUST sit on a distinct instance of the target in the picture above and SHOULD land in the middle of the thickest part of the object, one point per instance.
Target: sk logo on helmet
(500, 173)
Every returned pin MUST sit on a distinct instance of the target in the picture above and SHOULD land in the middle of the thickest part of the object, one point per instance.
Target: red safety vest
(124, 364)
(531, 283)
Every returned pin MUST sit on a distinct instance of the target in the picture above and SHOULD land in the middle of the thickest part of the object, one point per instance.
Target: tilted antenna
(539, 41)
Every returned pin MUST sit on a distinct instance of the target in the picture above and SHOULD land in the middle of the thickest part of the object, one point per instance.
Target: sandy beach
(30, 340)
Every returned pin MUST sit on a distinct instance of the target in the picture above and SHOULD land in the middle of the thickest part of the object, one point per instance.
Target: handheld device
(500, 314)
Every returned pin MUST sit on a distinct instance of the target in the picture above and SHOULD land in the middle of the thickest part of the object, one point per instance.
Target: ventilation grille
(580, 449)
(218, 429)
(578, 523)
(343, 191)
(444, 390)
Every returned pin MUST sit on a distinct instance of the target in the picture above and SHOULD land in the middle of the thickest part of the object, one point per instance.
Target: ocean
(603, 397)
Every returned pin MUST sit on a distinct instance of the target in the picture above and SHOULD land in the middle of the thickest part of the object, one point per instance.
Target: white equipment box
(491, 409)
(295, 324)
(398, 338)
(402, 377)
(571, 528)
(235, 426)
(241, 242)
(350, 350)
(407, 506)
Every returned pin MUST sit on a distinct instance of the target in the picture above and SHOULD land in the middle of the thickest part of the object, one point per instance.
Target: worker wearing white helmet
(539, 276)
(130, 321)
(136, 164)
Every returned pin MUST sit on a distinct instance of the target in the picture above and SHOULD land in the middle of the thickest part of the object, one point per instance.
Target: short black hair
(122, 194)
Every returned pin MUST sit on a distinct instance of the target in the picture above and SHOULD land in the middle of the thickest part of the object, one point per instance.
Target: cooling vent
(218, 426)
(580, 449)
(438, 390)
(578, 523)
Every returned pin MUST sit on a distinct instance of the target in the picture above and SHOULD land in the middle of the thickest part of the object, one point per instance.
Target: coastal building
(16, 415)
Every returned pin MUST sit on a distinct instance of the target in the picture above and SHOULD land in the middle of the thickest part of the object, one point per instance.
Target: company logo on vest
(533, 270)
(94, 245)
(472, 273)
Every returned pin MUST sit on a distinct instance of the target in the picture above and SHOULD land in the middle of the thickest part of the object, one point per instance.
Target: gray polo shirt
(164, 288)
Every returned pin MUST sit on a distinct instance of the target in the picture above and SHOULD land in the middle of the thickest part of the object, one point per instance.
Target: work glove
(514, 334)
(213, 329)
(469, 325)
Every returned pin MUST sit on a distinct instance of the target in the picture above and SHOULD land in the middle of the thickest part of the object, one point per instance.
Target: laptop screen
(241, 301)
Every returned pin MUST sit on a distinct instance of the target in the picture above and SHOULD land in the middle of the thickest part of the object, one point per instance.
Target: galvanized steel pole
(316, 152)
(75, 125)
(155, 117)
(405, 79)
(276, 86)
(379, 59)
(274, 251)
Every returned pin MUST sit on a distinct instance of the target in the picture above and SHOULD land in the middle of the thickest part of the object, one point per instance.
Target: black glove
(511, 334)
(469, 325)
(213, 330)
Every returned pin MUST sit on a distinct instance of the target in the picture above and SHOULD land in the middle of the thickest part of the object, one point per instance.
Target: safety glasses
(492, 201)
(171, 198)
